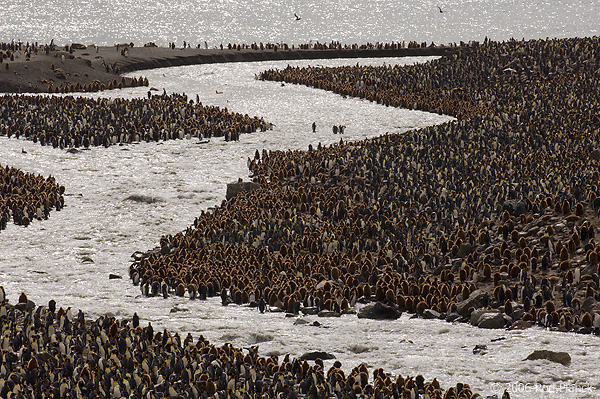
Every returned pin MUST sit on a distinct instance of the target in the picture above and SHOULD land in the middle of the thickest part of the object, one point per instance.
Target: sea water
(105, 22)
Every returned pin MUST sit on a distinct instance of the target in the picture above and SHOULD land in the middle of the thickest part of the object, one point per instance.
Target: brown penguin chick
(554, 318)
(487, 270)
(564, 254)
(23, 298)
(514, 271)
(508, 308)
(589, 292)
(528, 317)
(586, 320)
(550, 307)
(497, 253)
(211, 388)
(497, 278)
(421, 307)
(514, 236)
(566, 207)
(569, 274)
(576, 239)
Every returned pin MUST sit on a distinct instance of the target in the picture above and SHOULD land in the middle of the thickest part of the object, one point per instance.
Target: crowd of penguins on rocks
(50, 352)
(59, 84)
(494, 212)
(79, 122)
(27, 196)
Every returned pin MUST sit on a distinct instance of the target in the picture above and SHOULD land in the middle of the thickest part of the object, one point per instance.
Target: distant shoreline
(84, 67)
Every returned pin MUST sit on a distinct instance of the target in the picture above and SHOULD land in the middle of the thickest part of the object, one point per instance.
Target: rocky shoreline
(74, 69)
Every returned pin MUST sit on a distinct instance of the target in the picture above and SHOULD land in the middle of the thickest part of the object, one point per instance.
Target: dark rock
(317, 355)
(309, 310)
(431, 314)
(517, 314)
(73, 150)
(589, 304)
(25, 307)
(235, 188)
(491, 320)
(316, 324)
(452, 317)
(78, 46)
(86, 259)
(476, 315)
(328, 313)
(113, 276)
(558, 357)
(465, 250)
(474, 300)
(299, 322)
(379, 311)
(143, 198)
(480, 350)
(176, 309)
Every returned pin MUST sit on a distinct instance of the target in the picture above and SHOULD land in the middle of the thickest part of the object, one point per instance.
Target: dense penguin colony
(489, 219)
(494, 213)
(78, 122)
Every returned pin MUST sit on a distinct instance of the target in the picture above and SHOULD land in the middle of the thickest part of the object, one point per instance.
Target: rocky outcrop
(379, 311)
(237, 187)
(558, 357)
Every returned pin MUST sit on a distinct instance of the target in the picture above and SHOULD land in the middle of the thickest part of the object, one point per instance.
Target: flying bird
(297, 17)
(440, 8)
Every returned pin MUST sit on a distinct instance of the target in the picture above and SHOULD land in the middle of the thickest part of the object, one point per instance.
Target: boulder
(491, 320)
(476, 314)
(474, 300)
(453, 316)
(25, 307)
(317, 355)
(237, 187)
(558, 357)
(431, 314)
(589, 304)
(379, 311)
(309, 310)
(465, 250)
(78, 46)
(517, 314)
(328, 313)
(480, 350)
